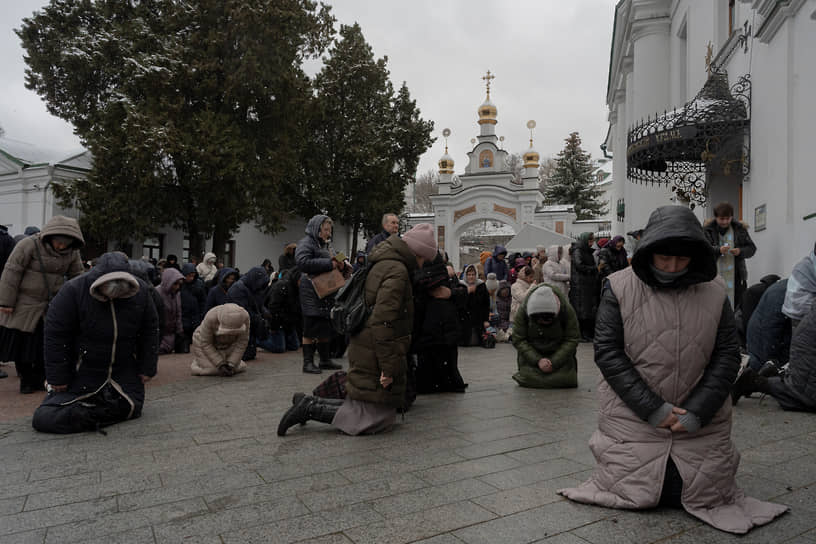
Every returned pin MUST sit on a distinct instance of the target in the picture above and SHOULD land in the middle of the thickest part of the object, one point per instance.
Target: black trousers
(438, 370)
(103, 409)
(672, 494)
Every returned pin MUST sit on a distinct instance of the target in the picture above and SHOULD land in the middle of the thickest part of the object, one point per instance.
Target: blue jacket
(80, 330)
(494, 265)
(218, 292)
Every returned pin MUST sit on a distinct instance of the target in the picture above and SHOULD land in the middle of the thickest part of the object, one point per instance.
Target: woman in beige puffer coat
(34, 272)
(220, 341)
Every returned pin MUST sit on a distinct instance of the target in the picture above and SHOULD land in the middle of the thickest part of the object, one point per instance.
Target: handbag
(328, 283)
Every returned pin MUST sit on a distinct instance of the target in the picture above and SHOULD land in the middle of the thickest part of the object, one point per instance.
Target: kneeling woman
(220, 341)
(666, 344)
(377, 355)
(546, 337)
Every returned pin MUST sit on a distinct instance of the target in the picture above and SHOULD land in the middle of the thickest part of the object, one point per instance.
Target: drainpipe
(45, 192)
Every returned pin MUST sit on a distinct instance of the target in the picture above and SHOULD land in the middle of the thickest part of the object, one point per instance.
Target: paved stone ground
(204, 465)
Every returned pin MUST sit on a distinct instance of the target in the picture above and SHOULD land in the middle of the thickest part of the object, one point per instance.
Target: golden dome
(446, 163)
(487, 112)
(531, 157)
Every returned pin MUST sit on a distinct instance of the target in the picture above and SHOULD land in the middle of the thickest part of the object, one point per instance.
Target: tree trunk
(220, 238)
(196, 242)
(353, 256)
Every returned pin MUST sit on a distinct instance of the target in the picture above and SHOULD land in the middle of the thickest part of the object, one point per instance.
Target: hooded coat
(193, 299)
(499, 267)
(474, 312)
(249, 293)
(584, 287)
(674, 344)
(172, 309)
(557, 342)
(27, 284)
(206, 268)
(518, 291)
(91, 341)
(142, 270)
(768, 334)
(210, 351)
(382, 345)
(282, 303)
(436, 320)
(287, 258)
(554, 273)
(218, 292)
(742, 240)
(801, 294)
(801, 378)
(313, 257)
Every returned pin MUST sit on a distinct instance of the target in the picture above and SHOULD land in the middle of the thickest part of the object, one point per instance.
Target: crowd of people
(678, 335)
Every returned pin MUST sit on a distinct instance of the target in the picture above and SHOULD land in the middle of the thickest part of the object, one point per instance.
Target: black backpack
(350, 311)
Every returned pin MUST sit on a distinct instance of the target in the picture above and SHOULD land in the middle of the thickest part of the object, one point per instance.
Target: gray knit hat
(543, 300)
(492, 283)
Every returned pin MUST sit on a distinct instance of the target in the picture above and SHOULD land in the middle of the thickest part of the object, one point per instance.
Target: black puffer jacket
(80, 330)
(436, 321)
(248, 293)
(802, 376)
(673, 226)
(313, 258)
(218, 292)
(282, 302)
(193, 299)
(143, 270)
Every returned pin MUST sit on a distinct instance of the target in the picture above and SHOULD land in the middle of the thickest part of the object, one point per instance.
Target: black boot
(309, 408)
(748, 382)
(324, 349)
(769, 369)
(308, 359)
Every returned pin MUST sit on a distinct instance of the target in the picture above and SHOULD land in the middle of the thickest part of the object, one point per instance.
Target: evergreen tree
(366, 141)
(571, 181)
(192, 110)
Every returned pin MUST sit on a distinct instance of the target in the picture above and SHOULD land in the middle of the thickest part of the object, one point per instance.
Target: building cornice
(776, 12)
(649, 27)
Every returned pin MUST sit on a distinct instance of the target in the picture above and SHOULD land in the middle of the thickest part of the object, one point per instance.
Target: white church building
(713, 101)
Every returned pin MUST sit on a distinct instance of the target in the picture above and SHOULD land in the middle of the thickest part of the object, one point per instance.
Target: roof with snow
(531, 236)
(27, 155)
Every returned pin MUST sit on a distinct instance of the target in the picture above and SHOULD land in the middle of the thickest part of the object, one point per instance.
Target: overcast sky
(550, 59)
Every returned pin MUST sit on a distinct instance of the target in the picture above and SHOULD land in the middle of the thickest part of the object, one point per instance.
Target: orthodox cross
(487, 78)
(709, 57)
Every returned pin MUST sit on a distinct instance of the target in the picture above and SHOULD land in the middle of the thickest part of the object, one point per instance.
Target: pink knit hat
(422, 241)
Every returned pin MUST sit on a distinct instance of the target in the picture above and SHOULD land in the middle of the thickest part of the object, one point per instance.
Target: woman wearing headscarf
(612, 257)
(666, 345)
(583, 292)
(554, 272)
(314, 256)
(172, 335)
(476, 309)
(207, 270)
(519, 289)
(34, 272)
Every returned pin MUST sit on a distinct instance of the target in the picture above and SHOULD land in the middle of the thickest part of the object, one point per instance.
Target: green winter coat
(382, 345)
(558, 342)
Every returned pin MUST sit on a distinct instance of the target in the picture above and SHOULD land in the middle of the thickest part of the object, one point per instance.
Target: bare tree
(516, 165)
(545, 171)
(425, 186)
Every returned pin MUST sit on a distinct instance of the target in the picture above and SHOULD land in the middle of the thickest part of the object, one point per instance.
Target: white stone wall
(658, 63)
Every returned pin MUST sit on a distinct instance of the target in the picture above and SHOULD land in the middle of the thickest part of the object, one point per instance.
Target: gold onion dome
(446, 163)
(531, 157)
(487, 112)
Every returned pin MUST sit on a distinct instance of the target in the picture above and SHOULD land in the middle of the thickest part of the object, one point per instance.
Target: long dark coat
(193, 300)
(742, 240)
(473, 313)
(313, 258)
(79, 334)
(584, 287)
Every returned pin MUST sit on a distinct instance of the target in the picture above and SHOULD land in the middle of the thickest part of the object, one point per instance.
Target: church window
(486, 159)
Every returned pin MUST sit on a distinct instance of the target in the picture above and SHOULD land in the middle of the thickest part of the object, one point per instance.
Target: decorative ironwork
(709, 136)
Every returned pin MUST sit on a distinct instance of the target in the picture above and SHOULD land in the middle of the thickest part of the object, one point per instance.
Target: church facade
(711, 102)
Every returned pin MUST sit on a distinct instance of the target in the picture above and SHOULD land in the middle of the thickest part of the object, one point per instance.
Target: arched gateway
(487, 190)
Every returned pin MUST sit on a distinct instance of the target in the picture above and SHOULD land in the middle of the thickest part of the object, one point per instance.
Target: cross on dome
(487, 77)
